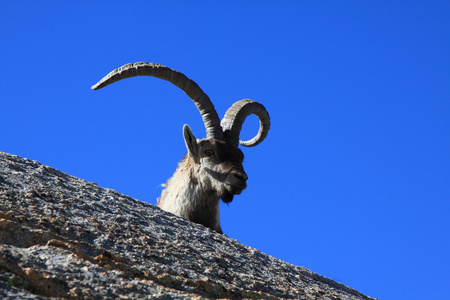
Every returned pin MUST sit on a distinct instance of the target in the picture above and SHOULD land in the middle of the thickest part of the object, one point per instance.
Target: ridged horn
(201, 100)
(235, 117)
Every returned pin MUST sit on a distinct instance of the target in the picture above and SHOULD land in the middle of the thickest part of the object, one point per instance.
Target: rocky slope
(64, 237)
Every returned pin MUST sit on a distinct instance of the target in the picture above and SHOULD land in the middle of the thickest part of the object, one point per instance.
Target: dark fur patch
(204, 213)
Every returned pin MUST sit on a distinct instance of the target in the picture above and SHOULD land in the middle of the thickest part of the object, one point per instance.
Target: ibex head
(212, 168)
(218, 165)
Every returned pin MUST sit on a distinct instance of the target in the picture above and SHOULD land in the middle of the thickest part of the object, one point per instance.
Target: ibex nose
(242, 176)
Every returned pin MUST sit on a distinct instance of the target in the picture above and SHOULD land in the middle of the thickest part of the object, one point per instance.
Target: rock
(64, 237)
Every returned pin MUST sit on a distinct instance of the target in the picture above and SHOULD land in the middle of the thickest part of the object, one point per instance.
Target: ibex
(212, 168)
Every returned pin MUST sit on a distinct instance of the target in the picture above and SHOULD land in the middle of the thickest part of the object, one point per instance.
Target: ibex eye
(209, 152)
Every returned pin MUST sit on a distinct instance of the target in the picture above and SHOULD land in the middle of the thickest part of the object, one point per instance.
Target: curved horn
(235, 117)
(201, 100)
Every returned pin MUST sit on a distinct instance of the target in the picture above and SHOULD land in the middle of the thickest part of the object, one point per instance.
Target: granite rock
(64, 237)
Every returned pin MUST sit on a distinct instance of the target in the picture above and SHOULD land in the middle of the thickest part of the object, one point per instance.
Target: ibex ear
(191, 141)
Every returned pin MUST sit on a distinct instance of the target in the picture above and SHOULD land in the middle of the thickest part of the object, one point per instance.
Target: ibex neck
(187, 196)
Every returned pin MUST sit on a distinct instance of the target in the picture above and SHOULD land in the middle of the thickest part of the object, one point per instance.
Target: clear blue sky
(353, 180)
